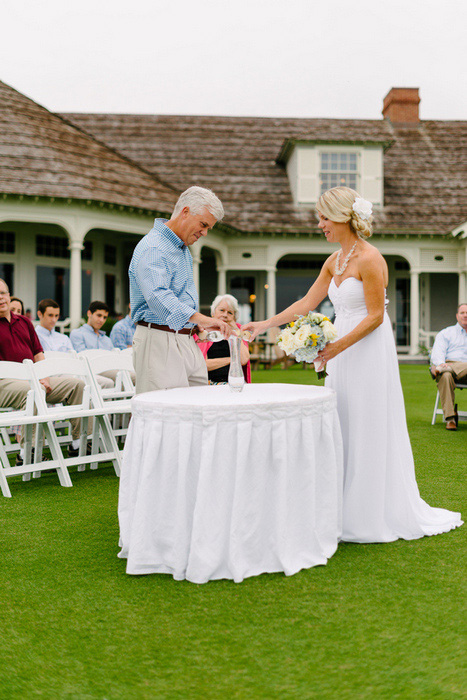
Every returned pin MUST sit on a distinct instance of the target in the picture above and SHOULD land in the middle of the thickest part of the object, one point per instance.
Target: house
(112, 173)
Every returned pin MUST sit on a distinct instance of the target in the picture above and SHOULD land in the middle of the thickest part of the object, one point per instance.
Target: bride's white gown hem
(382, 502)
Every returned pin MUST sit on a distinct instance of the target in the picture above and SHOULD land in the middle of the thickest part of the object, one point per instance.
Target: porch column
(271, 294)
(221, 280)
(75, 248)
(462, 299)
(414, 312)
(196, 262)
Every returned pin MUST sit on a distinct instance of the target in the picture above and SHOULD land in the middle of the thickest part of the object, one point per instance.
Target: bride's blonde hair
(336, 205)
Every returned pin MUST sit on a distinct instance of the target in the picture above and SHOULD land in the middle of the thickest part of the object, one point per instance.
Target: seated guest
(48, 312)
(90, 336)
(16, 306)
(449, 363)
(18, 342)
(217, 355)
(123, 331)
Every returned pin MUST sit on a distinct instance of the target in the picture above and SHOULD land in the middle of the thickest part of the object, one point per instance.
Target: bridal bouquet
(306, 336)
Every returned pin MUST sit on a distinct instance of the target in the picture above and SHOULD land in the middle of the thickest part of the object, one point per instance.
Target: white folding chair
(55, 354)
(462, 415)
(90, 407)
(26, 418)
(120, 396)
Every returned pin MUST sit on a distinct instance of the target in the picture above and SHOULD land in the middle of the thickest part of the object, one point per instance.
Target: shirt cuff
(180, 317)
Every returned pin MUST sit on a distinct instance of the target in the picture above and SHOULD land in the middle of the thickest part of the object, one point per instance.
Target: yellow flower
(314, 338)
(292, 323)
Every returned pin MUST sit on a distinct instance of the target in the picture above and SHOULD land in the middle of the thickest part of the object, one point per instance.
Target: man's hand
(46, 384)
(443, 367)
(207, 323)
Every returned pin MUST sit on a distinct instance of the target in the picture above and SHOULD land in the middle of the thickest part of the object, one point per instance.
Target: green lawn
(379, 621)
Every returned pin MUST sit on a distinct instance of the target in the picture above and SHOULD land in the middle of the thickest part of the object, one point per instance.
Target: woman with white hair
(381, 500)
(217, 355)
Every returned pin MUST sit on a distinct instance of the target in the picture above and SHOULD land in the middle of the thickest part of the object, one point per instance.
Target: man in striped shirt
(163, 297)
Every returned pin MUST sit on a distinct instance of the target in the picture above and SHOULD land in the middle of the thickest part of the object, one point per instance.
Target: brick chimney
(401, 105)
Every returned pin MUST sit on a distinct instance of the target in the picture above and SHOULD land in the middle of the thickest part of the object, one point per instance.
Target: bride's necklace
(339, 270)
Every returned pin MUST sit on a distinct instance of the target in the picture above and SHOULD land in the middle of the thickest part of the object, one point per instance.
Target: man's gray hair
(197, 199)
(232, 302)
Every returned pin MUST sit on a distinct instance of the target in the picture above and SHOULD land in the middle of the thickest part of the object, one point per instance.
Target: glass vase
(236, 378)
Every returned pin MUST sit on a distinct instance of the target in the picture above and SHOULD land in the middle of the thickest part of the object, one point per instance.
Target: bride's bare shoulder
(372, 258)
(370, 254)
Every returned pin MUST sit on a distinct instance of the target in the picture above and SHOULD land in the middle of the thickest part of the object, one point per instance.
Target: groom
(164, 299)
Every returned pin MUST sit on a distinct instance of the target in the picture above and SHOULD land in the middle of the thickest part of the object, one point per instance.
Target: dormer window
(338, 170)
(315, 166)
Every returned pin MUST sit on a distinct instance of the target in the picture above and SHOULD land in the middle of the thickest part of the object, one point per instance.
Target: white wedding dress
(381, 498)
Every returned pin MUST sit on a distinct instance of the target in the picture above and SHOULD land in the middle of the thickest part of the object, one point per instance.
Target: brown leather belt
(158, 327)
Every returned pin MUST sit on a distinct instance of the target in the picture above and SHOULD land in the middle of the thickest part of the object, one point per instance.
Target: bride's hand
(329, 351)
(255, 327)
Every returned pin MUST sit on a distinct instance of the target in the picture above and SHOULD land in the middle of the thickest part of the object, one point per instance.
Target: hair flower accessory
(363, 208)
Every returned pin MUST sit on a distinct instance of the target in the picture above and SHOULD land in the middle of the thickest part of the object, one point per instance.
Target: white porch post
(221, 280)
(196, 262)
(414, 312)
(462, 299)
(75, 248)
(271, 294)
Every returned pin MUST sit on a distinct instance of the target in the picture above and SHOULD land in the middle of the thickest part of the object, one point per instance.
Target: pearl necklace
(340, 270)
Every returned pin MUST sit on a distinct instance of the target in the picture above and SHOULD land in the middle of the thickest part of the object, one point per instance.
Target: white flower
(302, 335)
(287, 341)
(329, 331)
(363, 208)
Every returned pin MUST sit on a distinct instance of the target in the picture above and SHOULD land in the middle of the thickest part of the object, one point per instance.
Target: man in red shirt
(18, 342)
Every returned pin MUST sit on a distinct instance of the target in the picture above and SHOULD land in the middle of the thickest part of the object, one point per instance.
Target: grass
(379, 621)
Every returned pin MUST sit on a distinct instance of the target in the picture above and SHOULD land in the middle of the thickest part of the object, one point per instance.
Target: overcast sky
(332, 58)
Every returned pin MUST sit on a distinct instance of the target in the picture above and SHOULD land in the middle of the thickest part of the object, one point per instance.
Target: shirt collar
(90, 329)
(460, 327)
(160, 225)
(13, 318)
(41, 329)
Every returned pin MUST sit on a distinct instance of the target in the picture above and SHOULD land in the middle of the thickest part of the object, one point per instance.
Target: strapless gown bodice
(381, 498)
(348, 298)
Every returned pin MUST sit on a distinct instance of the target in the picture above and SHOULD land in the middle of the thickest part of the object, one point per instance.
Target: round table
(217, 484)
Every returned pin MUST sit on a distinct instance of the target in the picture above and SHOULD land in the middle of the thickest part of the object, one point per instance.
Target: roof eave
(289, 144)
(128, 208)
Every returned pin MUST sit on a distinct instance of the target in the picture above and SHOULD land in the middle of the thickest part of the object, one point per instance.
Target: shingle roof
(43, 155)
(425, 168)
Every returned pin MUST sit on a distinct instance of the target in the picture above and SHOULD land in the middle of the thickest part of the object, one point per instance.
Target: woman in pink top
(217, 355)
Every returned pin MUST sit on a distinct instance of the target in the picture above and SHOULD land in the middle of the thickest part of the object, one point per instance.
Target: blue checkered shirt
(122, 333)
(162, 289)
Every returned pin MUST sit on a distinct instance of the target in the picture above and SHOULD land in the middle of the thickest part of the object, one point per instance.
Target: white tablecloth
(222, 485)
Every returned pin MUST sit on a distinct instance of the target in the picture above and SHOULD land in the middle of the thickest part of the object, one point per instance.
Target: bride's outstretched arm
(315, 295)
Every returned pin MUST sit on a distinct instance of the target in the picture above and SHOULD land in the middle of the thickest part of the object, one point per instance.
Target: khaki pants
(446, 388)
(107, 379)
(165, 360)
(67, 390)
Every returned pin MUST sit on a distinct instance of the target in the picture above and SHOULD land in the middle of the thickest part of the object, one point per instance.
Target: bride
(381, 502)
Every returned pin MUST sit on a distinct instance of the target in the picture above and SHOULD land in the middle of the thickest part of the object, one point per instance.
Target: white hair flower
(363, 208)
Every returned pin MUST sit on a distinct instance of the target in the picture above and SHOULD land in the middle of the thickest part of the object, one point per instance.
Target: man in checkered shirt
(164, 300)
